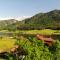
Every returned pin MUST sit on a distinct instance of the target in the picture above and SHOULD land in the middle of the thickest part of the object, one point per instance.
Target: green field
(6, 44)
(43, 32)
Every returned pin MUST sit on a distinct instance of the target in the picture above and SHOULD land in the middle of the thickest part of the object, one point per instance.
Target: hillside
(50, 20)
(5, 23)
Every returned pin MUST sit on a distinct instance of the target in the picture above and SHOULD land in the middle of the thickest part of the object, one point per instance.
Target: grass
(43, 32)
(6, 44)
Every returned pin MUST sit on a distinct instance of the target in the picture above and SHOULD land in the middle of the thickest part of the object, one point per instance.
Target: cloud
(17, 18)
(22, 18)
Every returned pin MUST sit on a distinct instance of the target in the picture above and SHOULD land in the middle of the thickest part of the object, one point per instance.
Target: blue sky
(17, 8)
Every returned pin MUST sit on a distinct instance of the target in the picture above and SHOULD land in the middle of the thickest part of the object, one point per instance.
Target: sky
(26, 8)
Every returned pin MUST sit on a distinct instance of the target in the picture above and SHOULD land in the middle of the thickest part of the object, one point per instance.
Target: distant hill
(50, 20)
(4, 24)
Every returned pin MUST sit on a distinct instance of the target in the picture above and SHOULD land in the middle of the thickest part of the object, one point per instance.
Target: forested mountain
(49, 20)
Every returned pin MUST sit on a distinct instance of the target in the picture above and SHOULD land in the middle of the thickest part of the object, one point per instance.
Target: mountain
(5, 23)
(50, 20)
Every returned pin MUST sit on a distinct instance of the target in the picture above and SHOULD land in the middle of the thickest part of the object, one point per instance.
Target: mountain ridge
(49, 19)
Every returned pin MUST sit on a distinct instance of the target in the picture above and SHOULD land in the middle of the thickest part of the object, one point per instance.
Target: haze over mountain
(16, 18)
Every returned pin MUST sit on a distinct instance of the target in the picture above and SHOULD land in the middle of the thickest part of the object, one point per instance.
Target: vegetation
(18, 38)
(50, 20)
(6, 44)
(29, 48)
(42, 32)
(37, 50)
